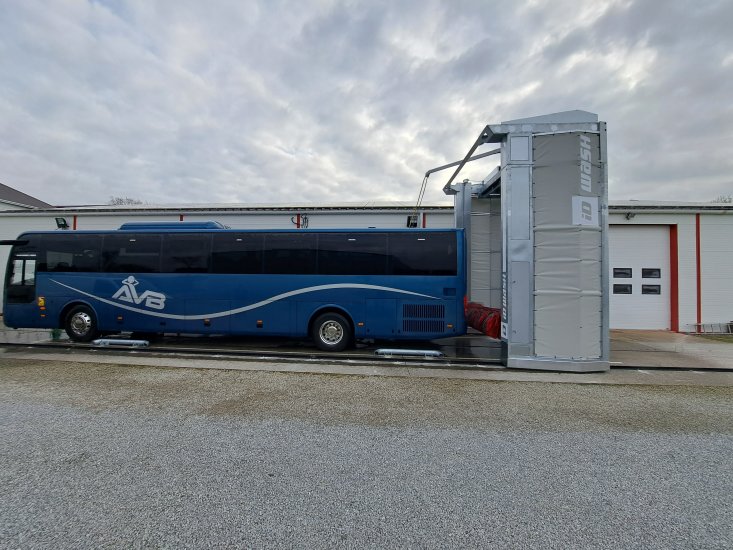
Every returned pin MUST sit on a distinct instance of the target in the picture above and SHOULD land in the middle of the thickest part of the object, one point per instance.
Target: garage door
(639, 277)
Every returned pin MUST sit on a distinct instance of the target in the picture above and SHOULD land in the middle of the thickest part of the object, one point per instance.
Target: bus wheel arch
(331, 329)
(80, 322)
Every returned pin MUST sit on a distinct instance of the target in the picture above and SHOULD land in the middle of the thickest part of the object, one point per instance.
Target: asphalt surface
(103, 456)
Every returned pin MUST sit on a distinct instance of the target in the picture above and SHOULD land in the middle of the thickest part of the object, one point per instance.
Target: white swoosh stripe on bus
(249, 307)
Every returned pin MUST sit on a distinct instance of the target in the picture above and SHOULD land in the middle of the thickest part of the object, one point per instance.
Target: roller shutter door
(639, 278)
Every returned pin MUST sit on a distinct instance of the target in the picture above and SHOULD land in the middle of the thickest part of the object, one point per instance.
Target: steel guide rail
(261, 354)
(444, 363)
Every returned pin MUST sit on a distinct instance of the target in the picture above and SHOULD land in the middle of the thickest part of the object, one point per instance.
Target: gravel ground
(102, 456)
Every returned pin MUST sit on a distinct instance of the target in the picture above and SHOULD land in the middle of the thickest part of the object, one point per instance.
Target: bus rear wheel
(331, 332)
(81, 324)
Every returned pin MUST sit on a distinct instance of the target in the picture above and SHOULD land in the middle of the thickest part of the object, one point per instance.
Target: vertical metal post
(605, 297)
(462, 212)
(518, 300)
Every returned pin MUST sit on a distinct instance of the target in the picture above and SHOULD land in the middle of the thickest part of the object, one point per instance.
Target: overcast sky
(332, 101)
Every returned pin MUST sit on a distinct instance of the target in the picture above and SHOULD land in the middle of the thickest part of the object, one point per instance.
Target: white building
(671, 264)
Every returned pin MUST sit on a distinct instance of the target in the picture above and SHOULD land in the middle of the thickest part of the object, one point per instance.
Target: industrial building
(671, 266)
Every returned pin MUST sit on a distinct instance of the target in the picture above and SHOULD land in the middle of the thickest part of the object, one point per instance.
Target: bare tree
(724, 198)
(123, 201)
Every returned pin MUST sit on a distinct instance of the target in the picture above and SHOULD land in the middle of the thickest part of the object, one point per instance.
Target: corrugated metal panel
(686, 271)
(486, 238)
(716, 257)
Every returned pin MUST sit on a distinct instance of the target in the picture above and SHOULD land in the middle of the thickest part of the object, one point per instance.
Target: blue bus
(335, 286)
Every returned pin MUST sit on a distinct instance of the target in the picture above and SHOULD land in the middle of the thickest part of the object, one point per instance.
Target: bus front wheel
(331, 332)
(81, 324)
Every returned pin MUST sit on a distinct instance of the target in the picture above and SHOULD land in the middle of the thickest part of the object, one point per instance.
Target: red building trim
(674, 288)
(424, 220)
(180, 217)
(698, 266)
(73, 223)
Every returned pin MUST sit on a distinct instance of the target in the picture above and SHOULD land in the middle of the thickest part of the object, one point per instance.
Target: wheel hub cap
(81, 323)
(331, 332)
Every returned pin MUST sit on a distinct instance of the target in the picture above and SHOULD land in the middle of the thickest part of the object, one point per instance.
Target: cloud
(343, 100)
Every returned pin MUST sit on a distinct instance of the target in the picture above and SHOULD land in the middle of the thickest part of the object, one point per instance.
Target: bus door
(20, 285)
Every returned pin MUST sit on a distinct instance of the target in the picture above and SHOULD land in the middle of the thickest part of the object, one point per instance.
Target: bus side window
(186, 253)
(24, 272)
(16, 276)
(65, 252)
(352, 253)
(237, 253)
(131, 253)
(290, 253)
(423, 253)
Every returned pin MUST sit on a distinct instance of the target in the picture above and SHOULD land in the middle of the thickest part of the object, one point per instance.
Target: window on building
(622, 289)
(622, 272)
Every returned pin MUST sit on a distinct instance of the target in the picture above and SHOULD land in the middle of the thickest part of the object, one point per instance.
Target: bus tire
(81, 324)
(331, 332)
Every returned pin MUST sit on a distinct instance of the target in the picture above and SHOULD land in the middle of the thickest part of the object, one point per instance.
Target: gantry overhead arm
(485, 136)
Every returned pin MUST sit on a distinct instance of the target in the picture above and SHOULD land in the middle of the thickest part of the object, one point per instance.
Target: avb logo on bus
(128, 293)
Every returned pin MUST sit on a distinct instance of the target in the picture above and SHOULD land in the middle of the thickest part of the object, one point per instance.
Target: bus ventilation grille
(423, 318)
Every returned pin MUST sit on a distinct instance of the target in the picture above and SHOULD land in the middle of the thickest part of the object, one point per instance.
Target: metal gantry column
(554, 215)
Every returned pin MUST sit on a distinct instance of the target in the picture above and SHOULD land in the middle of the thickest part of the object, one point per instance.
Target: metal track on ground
(272, 355)
(446, 363)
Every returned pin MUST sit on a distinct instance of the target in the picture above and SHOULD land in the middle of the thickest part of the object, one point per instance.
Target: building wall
(716, 266)
(13, 224)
